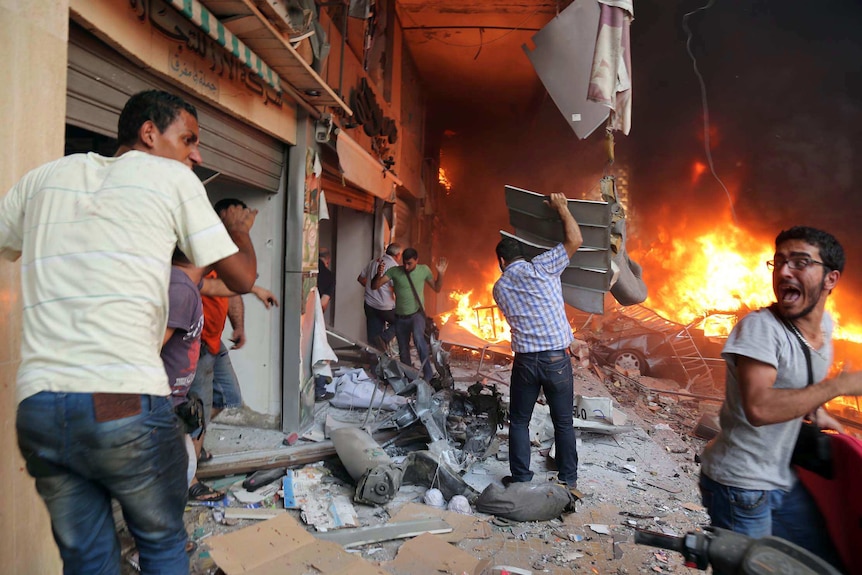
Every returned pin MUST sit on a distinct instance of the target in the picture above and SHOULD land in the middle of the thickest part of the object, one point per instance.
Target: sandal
(203, 492)
(205, 455)
(134, 559)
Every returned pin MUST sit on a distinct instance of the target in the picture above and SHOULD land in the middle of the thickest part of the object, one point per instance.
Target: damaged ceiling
(470, 52)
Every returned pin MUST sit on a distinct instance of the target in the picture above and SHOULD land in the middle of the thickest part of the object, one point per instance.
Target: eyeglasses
(795, 263)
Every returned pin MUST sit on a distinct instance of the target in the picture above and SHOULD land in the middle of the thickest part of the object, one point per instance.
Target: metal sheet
(100, 81)
(563, 59)
(543, 231)
(537, 222)
(585, 212)
(584, 299)
(587, 278)
(585, 257)
(538, 228)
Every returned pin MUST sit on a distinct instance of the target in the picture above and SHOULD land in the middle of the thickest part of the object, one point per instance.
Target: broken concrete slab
(359, 536)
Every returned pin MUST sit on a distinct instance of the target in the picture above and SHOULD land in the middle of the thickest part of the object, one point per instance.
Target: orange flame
(444, 181)
(716, 276)
(481, 318)
(719, 271)
(696, 171)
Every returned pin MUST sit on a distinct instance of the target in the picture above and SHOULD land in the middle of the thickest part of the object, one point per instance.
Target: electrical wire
(705, 104)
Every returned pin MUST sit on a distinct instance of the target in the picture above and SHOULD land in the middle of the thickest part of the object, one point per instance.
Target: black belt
(408, 316)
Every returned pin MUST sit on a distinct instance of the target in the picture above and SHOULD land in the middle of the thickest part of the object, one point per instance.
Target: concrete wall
(258, 364)
(406, 108)
(33, 38)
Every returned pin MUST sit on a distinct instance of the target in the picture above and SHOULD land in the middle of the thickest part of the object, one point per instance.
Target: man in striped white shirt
(531, 298)
(95, 237)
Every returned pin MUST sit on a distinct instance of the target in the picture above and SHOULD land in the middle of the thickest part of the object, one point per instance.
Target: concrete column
(33, 47)
(293, 303)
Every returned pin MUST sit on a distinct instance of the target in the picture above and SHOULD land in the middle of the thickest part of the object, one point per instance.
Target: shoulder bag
(813, 449)
(431, 328)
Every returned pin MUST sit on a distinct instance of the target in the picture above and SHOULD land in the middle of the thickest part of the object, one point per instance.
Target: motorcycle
(732, 553)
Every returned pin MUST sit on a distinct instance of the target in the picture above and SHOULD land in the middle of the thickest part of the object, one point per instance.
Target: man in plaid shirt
(530, 296)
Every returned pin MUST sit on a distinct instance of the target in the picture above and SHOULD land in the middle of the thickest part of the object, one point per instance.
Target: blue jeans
(551, 372)
(413, 325)
(215, 381)
(792, 515)
(376, 321)
(80, 464)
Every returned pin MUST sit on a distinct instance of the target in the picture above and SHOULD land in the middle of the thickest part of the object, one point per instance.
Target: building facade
(277, 129)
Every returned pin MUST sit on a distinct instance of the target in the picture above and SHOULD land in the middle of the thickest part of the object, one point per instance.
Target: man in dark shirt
(325, 278)
(326, 289)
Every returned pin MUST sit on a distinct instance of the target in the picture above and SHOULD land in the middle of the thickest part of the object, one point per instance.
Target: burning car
(636, 350)
(635, 339)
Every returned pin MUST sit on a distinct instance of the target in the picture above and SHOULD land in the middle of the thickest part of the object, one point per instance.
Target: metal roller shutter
(348, 196)
(405, 215)
(100, 82)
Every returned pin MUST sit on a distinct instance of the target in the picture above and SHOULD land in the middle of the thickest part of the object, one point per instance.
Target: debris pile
(406, 475)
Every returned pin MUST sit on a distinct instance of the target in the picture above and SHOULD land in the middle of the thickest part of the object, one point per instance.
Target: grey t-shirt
(751, 457)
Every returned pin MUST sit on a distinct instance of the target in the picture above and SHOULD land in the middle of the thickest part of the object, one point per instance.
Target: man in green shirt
(408, 310)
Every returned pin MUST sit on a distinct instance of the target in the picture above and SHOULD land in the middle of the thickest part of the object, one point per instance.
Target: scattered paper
(304, 490)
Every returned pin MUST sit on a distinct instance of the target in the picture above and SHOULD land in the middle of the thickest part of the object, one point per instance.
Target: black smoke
(784, 88)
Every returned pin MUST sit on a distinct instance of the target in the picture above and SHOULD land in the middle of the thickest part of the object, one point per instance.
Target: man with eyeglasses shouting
(747, 482)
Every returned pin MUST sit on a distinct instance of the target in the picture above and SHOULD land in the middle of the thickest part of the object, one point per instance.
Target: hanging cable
(705, 104)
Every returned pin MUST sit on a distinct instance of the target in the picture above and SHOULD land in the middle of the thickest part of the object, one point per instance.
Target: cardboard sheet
(430, 555)
(280, 546)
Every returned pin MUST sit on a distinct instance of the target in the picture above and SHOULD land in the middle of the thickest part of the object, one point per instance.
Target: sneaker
(325, 397)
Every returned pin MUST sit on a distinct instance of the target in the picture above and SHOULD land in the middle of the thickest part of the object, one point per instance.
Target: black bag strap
(792, 329)
(415, 294)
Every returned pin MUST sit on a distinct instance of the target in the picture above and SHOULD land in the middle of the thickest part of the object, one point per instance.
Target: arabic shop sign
(197, 60)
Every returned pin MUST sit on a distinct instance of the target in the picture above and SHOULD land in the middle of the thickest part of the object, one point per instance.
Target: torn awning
(583, 58)
(241, 28)
(364, 171)
(611, 74)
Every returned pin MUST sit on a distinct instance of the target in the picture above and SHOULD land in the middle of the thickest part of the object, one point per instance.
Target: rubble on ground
(431, 452)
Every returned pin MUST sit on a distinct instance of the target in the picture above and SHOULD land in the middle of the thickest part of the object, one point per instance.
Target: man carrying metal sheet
(530, 296)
